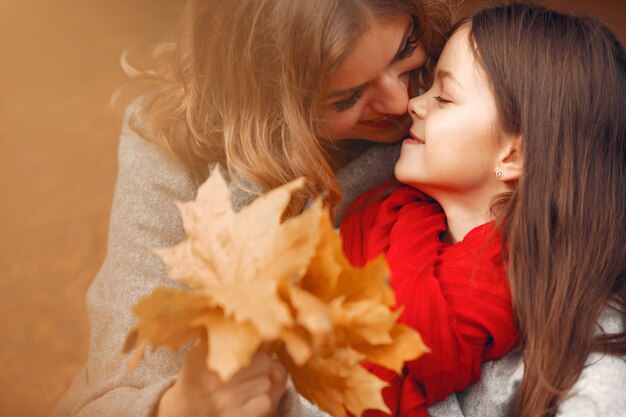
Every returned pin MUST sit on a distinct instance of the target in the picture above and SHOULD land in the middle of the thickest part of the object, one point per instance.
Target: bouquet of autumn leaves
(255, 282)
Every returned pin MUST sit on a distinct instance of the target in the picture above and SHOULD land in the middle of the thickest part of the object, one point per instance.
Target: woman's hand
(198, 392)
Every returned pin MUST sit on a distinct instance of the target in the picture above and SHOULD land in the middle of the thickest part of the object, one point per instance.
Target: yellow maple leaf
(168, 318)
(297, 344)
(330, 274)
(327, 264)
(230, 345)
(337, 383)
(225, 247)
(359, 301)
(256, 302)
(407, 345)
(258, 282)
(369, 282)
(364, 321)
(237, 262)
(311, 313)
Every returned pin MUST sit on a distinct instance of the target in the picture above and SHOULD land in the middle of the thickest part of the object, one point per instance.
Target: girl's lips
(414, 139)
(411, 141)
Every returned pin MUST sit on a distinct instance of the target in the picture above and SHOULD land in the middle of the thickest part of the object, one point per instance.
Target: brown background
(59, 64)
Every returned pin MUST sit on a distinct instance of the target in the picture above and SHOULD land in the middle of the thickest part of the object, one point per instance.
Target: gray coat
(144, 216)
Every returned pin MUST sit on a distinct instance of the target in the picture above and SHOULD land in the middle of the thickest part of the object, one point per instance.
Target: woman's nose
(393, 95)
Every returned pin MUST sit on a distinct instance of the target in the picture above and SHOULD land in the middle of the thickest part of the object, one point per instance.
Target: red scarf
(456, 296)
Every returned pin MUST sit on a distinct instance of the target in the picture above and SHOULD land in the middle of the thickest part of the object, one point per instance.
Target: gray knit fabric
(144, 216)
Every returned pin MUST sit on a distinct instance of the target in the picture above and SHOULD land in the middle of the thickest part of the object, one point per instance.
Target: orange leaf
(257, 282)
(167, 318)
(256, 302)
(337, 383)
(363, 321)
(311, 313)
(407, 345)
(297, 345)
(326, 266)
(231, 345)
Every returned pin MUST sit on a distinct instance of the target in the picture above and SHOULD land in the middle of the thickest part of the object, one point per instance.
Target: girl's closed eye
(442, 100)
(347, 103)
(412, 42)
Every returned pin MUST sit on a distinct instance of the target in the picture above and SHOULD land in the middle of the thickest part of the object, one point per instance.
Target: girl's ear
(510, 161)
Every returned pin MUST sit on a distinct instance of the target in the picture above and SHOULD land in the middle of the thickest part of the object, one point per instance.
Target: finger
(252, 388)
(256, 407)
(279, 378)
(195, 370)
(260, 364)
(278, 373)
(195, 356)
(233, 395)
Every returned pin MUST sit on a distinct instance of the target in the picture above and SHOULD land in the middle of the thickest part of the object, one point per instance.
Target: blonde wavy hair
(243, 86)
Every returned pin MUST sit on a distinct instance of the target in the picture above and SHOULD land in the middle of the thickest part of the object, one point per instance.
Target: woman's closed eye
(412, 42)
(347, 103)
(410, 45)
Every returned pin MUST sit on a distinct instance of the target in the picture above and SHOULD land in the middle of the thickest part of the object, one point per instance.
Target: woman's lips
(385, 122)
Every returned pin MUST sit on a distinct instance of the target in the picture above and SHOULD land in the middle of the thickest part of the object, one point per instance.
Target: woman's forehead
(371, 53)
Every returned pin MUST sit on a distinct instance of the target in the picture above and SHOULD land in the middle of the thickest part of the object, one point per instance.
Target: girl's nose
(393, 95)
(417, 106)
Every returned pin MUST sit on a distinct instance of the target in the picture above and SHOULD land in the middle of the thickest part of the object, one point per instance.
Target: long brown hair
(560, 82)
(243, 85)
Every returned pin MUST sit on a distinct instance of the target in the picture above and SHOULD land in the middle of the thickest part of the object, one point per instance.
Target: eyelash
(348, 103)
(412, 42)
(442, 100)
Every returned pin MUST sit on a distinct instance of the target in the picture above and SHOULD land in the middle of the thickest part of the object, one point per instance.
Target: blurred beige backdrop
(59, 64)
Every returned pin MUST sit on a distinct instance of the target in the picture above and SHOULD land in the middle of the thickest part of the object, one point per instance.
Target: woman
(269, 89)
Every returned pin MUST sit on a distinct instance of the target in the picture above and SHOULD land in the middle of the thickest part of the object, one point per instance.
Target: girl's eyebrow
(442, 74)
(346, 91)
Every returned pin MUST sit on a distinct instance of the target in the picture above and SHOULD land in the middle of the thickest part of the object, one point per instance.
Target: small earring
(499, 175)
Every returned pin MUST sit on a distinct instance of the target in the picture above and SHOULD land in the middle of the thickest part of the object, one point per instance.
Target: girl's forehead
(459, 70)
(457, 45)
(458, 57)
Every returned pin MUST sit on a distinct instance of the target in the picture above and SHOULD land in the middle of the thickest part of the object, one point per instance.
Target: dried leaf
(231, 345)
(326, 266)
(223, 247)
(407, 345)
(367, 283)
(297, 239)
(311, 313)
(286, 286)
(363, 321)
(256, 302)
(364, 392)
(337, 383)
(168, 318)
(297, 345)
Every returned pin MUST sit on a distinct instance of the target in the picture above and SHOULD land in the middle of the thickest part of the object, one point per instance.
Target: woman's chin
(388, 131)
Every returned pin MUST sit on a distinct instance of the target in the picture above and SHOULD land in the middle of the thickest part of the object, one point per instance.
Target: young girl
(521, 135)
(270, 89)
